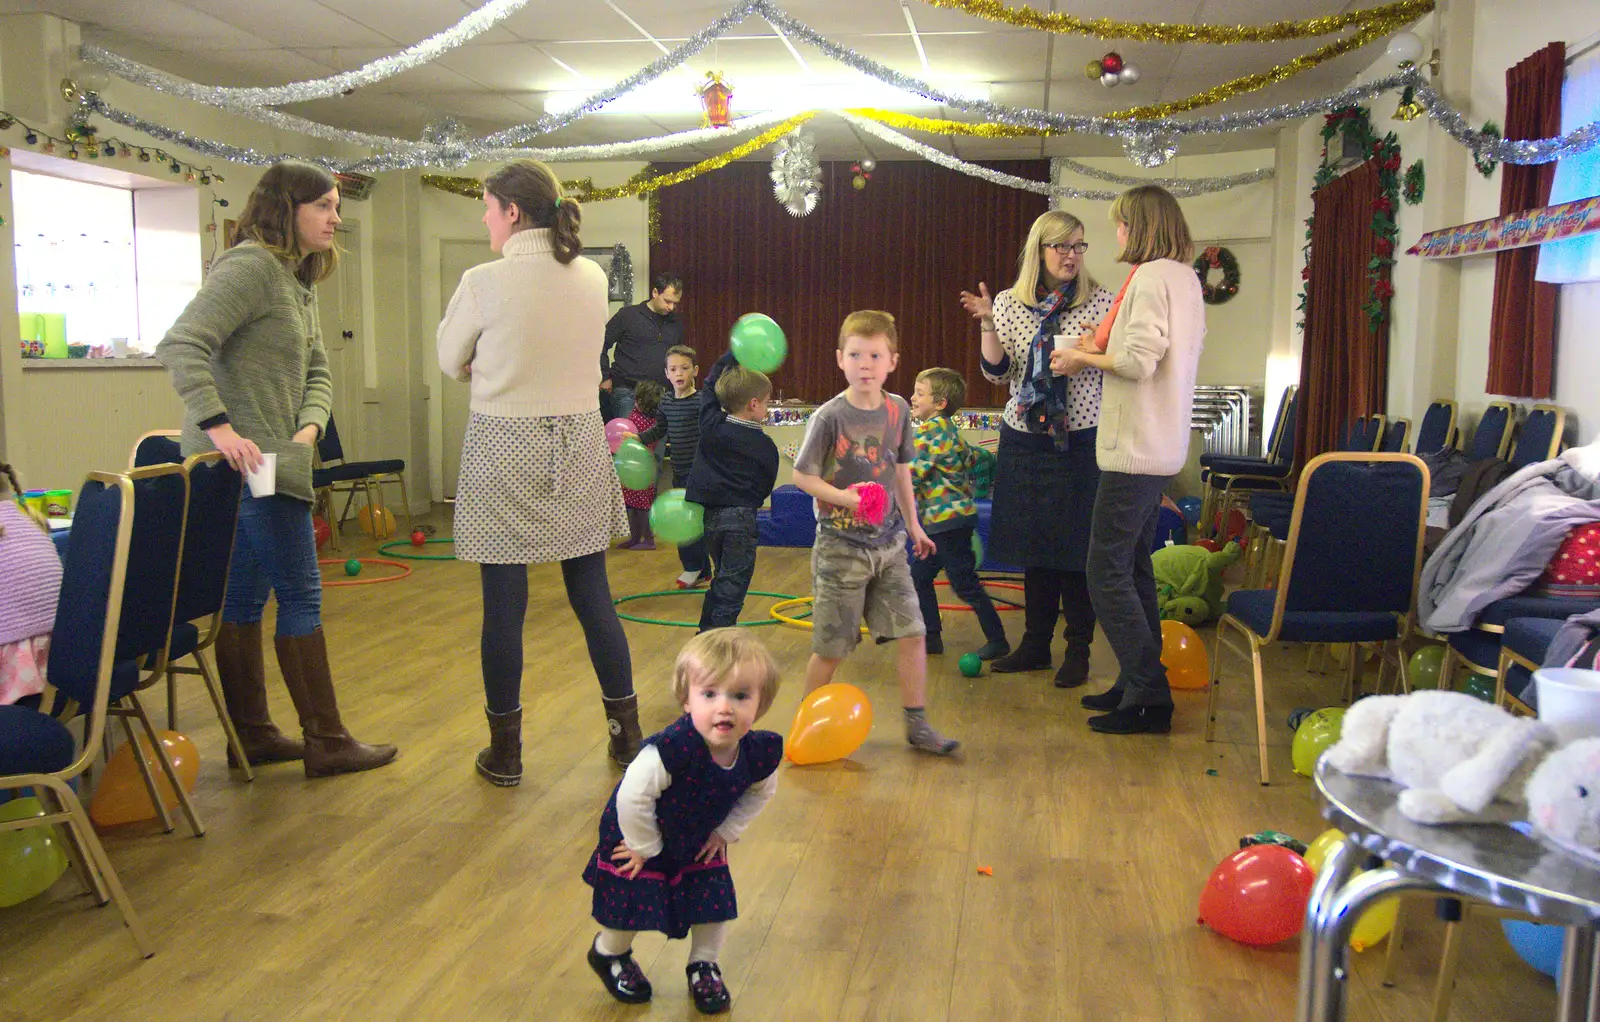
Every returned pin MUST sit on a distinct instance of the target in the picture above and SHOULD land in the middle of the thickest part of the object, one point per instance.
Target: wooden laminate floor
(420, 892)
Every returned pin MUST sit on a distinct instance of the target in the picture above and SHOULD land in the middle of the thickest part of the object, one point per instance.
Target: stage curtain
(1344, 363)
(1522, 327)
(907, 243)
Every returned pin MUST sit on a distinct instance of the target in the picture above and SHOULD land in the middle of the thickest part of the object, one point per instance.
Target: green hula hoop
(690, 592)
(384, 549)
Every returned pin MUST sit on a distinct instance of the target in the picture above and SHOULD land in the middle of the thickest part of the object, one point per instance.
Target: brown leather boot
(330, 749)
(501, 762)
(622, 719)
(243, 674)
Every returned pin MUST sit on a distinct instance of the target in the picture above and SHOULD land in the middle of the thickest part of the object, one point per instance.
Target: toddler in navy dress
(662, 863)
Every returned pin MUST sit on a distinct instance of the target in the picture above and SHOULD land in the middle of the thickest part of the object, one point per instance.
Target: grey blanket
(1578, 630)
(1507, 539)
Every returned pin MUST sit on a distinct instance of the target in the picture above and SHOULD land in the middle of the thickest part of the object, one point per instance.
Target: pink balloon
(616, 431)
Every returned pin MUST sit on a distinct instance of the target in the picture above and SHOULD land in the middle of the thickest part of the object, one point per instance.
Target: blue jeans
(953, 552)
(730, 539)
(275, 551)
(621, 401)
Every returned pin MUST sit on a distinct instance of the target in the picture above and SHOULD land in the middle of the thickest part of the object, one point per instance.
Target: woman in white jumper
(536, 484)
(1148, 347)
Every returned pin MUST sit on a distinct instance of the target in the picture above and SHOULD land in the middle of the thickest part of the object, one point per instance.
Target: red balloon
(1111, 63)
(418, 538)
(1258, 895)
(319, 528)
(1210, 544)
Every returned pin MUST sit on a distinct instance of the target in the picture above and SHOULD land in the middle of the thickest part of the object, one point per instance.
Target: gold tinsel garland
(1382, 20)
(936, 126)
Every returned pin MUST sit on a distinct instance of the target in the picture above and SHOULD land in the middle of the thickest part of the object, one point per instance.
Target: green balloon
(1313, 738)
(758, 342)
(1423, 669)
(30, 860)
(1480, 685)
(677, 520)
(970, 665)
(636, 466)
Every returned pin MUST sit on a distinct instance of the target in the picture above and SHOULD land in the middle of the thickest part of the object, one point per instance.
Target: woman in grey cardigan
(247, 359)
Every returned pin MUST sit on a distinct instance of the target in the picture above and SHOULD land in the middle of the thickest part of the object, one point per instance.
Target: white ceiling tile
(985, 56)
(170, 24)
(292, 22)
(514, 67)
(587, 20)
(603, 62)
(410, 23)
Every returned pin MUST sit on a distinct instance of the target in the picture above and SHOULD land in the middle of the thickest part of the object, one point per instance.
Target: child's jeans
(955, 555)
(730, 539)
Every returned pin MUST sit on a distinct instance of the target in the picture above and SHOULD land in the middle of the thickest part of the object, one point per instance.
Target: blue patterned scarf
(1042, 395)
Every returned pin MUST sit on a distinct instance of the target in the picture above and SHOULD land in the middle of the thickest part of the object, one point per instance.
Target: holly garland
(1217, 258)
(1486, 164)
(1355, 121)
(1411, 188)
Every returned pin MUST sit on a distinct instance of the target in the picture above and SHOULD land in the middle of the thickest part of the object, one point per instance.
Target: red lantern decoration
(1111, 63)
(715, 95)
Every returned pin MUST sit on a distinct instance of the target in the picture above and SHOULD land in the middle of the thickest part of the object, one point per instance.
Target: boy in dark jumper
(733, 473)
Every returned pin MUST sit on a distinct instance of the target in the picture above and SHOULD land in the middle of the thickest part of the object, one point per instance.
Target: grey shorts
(851, 584)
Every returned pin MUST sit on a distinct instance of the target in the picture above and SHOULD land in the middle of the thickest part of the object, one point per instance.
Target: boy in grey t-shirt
(859, 569)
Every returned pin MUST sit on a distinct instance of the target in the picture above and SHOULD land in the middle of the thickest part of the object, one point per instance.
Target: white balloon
(1129, 74)
(1109, 80)
(868, 165)
(1404, 48)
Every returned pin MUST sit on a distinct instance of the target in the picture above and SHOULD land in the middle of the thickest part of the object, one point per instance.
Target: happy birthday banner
(1514, 230)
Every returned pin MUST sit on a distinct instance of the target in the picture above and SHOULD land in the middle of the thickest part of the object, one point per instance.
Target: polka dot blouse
(1016, 324)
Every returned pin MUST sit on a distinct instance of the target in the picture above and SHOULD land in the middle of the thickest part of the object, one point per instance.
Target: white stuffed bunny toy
(1455, 755)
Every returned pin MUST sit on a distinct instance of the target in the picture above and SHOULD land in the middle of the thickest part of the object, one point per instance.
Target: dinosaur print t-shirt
(846, 445)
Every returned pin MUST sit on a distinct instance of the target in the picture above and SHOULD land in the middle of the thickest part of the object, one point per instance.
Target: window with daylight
(1577, 177)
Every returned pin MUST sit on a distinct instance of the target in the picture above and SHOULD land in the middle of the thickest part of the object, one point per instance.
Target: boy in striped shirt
(679, 422)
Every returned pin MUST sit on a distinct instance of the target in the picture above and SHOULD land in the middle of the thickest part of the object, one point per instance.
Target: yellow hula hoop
(778, 614)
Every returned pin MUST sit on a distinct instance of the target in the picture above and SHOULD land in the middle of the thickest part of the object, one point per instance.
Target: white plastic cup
(1569, 701)
(1063, 342)
(264, 480)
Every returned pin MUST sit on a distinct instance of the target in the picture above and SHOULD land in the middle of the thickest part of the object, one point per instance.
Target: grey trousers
(1122, 584)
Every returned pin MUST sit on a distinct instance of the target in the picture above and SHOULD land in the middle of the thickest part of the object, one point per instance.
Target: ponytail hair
(8, 475)
(533, 188)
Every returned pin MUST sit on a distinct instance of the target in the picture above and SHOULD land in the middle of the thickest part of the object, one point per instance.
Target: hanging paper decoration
(715, 95)
(796, 174)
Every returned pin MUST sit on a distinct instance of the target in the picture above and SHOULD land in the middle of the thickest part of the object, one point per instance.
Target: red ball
(418, 538)
(1112, 63)
(1258, 895)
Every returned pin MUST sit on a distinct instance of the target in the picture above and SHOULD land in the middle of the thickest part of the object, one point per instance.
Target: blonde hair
(870, 323)
(269, 215)
(945, 385)
(535, 190)
(738, 386)
(1051, 228)
(721, 652)
(1156, 226)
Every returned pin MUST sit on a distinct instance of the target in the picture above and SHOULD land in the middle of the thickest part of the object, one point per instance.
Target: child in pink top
(32, 570)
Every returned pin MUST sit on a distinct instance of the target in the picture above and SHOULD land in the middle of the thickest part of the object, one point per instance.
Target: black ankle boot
(1134, 720)
(1110, 699)
(621, 975)
(706, 987)
(934, 641)
(1074, 667)
(1030, 655)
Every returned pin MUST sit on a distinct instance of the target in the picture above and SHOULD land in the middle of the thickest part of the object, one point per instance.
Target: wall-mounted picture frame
(618, 265)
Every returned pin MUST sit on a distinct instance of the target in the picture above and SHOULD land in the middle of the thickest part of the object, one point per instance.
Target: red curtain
(1522, 329)
(908, 243)
(1344, 363)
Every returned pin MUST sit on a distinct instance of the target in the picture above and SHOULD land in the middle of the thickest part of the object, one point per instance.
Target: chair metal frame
(61, 802)
(1208, 494)
(1223, 500)
(208, 638)
(367, 485)
(133, 455)
(1389, 649)
(1505, 437)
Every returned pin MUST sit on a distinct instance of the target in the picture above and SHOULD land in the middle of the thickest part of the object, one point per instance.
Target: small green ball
(970, 665)
(352, 567)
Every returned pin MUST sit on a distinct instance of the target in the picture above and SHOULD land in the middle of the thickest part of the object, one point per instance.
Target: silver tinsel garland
(1176, 185)
(1504, 150)
(796, 174)
(1150, 149)
(474, 24)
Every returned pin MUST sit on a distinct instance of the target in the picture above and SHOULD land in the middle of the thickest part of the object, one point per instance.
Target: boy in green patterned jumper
(943, 478)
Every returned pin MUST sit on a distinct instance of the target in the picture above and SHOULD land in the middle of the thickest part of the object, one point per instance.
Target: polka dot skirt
(1574, 572)
(536, 490)
(1016, 324)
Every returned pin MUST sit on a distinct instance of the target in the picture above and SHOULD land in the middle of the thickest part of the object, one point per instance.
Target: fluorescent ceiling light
(751, 96)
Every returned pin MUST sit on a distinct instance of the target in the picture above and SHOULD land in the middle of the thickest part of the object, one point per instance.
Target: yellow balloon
(379, 526)
(1376, 922)
(832, 723)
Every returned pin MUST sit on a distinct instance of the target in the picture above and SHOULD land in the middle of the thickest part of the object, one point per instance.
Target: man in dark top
(637, 339)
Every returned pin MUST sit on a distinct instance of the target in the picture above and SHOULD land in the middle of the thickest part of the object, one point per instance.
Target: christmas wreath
(1483, 161)
(1412, 184)
(1215, 258)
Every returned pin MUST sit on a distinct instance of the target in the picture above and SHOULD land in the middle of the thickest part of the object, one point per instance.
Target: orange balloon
(1183, 654)
(832, 723)
(121, 796)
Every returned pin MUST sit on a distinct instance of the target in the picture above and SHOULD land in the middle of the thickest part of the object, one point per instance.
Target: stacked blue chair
(1438, 430)
(1349, 573)
(1224, 478)
(1540, 436)
(368, 477)
(42, 756)
(157, 447)
(1492, 438)
(1396, 437)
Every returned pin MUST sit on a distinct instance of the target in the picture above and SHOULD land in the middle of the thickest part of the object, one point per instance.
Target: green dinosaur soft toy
(1189, 581)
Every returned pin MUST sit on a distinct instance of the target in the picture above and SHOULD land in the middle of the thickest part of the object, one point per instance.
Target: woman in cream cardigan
(536, 484)
(1149, 348)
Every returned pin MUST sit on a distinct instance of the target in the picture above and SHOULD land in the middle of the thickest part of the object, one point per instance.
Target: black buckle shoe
(621, 975)
(706, 987)
(1134, 720)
